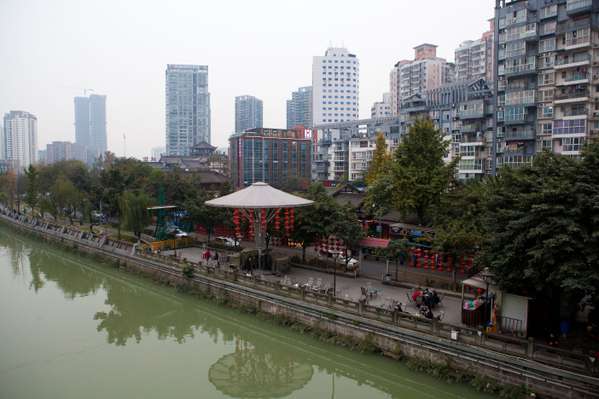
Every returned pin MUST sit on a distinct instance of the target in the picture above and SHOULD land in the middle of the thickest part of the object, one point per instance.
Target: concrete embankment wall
(391, 340)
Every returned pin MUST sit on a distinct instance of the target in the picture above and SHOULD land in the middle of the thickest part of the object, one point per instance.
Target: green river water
(73, 327)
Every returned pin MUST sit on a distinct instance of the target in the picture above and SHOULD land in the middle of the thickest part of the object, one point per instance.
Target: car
(178, 233)
(352, 263)
(227, 241)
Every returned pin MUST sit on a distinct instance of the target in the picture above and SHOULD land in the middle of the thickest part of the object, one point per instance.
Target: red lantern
(277, 220)
(263, 219)
(291, 219)
(462, 264)
(236, 223)
(449, 263)
(251, 223)
(425, 259)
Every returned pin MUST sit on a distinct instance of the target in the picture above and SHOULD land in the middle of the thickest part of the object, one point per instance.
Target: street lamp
(487, 277)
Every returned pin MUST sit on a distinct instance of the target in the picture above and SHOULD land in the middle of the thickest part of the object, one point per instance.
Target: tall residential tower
(187, 108)
(299, 108)
(248, 113)
(547, 78)
(425, 72)
(90, 124)
(335, 87)
(20, 138)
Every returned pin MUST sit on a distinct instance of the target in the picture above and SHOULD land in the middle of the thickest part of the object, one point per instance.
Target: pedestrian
(216, 259)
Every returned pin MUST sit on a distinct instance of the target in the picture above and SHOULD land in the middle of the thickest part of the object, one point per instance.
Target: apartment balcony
(519, 69)
(572, 96)
(526, 35)
(574, 79)
(518, 135)
(575, 7)
(469, 128)
(572, 62)
(577, 42)
(572, 113)
(471, 166)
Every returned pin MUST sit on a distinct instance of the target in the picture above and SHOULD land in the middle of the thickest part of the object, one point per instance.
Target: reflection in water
(267, 361)
(253, 373)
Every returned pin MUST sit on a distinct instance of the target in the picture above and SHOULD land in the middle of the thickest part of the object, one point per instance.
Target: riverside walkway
(519, 361)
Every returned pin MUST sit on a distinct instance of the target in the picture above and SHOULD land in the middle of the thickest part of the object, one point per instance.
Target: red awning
(371, 242)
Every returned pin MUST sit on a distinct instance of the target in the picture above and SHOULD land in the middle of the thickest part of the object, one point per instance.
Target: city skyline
(130, 71)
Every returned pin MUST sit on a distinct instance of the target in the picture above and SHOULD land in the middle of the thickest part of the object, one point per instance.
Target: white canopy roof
(259, 195)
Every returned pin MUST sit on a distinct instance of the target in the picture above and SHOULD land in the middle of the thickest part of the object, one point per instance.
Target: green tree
(459, 225)
(418, 174)
(8, 187)
(380, 160)
(315, 222)
(348, 229)
(134, 211)
(65, 197)
(207, 216)
(541, 227)
(32, 193)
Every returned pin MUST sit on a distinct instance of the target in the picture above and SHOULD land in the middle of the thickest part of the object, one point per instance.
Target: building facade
(360, 154)
(248, 113)
(331, 159)
(90, 124)
(279, 157)
(187, 108)
(474, 58)
(425, 72)
(381, 109)
(20, 138)
(299, 108)
(547, 73)
(335, 87)
(2, 144)
(64, 151)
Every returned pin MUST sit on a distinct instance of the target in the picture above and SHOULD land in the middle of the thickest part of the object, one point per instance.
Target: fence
(504, 343)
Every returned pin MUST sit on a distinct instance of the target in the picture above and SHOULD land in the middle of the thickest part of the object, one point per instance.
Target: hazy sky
(50, 50)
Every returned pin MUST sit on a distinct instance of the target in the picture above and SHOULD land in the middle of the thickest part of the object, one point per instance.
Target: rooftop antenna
(124, 145)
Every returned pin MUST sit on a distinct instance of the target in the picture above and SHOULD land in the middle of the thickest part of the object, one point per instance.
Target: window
(546, 45)
(574, 126)
(547, 128)
(572, 144)
(547, 111)
(547, 78)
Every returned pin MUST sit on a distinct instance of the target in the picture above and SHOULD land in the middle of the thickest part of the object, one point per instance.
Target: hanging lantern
(291, 219)
(236, 223)
(287, 222)
(462, 264)
(449, 263)
(425, 265)
(440, 262)
(251, 223)
(277, 219)
(263, 219)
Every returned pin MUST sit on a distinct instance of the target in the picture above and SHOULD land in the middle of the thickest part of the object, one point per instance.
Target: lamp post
(487, 277)
(335, 273)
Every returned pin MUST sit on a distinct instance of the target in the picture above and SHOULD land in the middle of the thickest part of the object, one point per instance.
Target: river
(74, 327)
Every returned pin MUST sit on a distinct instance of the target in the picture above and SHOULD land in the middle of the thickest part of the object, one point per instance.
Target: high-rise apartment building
(20, 138)
(248, 113)
(187, 108)
(335, 87)
(2, 144)
(64, 151)
(425, 72)
(381, 109)
(299, 108)
(274, 156)
(474, 58)
(547, 76)
(90, 124)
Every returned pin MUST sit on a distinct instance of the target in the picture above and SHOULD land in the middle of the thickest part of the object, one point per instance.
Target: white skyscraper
(20, 134)
(335, 87)
(187, 108)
